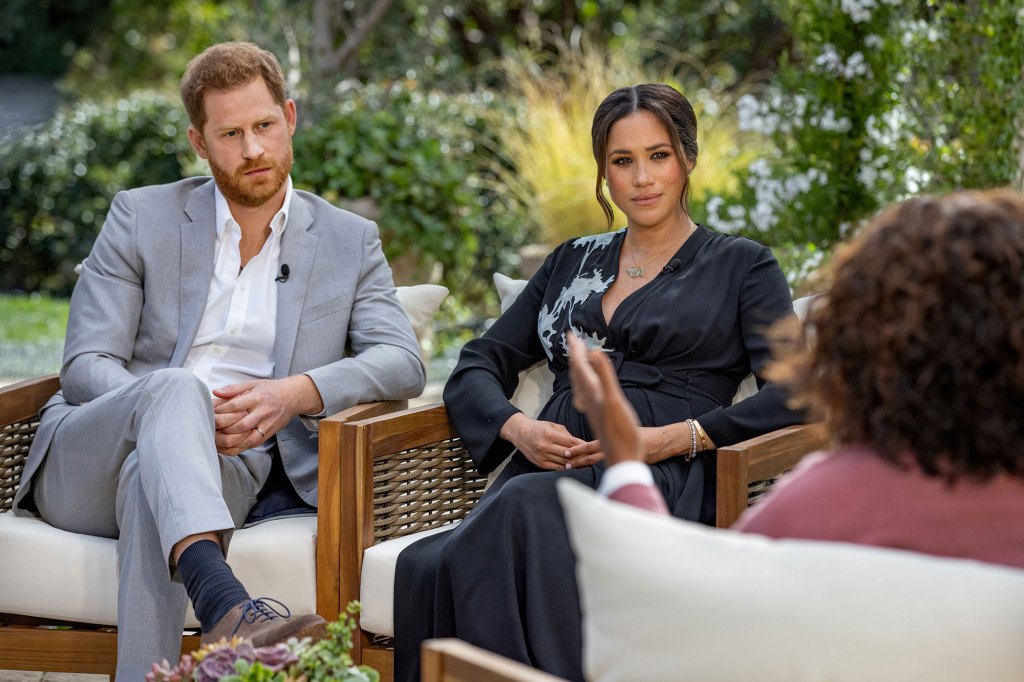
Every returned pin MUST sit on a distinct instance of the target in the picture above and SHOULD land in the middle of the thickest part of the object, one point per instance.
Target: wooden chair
(32, 644)
(452, 660)
(407, 472)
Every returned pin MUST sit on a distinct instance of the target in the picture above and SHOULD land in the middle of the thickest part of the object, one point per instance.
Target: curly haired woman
(917, 364)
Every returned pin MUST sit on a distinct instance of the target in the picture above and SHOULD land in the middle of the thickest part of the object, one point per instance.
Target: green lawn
(32, 318)
(31, 335)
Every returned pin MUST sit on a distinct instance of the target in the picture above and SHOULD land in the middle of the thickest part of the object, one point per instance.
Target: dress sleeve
(764, 299)
(478, 391)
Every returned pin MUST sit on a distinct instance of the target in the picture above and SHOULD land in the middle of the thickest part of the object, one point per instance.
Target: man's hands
(249, 413)
(597, 394)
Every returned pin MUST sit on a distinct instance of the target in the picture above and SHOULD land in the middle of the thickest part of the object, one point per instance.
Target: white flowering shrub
(831, 116)
(883, 98)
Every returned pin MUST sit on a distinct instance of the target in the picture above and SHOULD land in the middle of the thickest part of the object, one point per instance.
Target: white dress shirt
(235, 340)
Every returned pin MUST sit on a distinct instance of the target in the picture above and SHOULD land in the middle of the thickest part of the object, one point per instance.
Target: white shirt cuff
(623, 474)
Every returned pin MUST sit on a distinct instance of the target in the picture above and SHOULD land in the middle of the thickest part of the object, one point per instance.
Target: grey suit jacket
(143, 289)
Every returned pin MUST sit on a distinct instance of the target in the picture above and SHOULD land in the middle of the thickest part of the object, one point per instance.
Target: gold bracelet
(703, 436)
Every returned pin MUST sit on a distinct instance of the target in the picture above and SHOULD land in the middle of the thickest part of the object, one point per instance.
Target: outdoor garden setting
(834, 280)
(462, 127)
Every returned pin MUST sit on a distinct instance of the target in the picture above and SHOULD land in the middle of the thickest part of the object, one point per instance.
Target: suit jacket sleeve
(385, 363)
(106, 307)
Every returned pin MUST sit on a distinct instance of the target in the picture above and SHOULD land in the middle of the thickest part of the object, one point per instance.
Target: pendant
(636, 271)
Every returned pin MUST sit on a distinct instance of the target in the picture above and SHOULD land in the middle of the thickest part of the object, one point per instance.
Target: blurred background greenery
(462, 126)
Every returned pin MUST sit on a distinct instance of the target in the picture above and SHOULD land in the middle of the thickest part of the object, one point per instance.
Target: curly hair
(917, 349)
(226, 66)
(669, 106)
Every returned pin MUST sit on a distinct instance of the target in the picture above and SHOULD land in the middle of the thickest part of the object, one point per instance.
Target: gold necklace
(638, 270)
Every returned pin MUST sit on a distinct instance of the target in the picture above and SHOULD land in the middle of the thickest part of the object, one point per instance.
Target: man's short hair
(227, 66)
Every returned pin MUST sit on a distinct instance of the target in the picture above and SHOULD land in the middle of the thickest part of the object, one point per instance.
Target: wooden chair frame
(35, 644)
(452, 660)
(407, 471)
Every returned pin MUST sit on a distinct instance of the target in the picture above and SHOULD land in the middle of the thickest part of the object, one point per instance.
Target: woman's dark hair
(668, 106)
(918, 347)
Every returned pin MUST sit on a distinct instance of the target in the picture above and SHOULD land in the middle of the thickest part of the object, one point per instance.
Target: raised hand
(597, 394)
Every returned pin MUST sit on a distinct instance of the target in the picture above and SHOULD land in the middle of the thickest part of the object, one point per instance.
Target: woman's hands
(543, 443)
(597, 394)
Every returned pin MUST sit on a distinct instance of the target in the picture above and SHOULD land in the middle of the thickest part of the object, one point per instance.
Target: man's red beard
(252, 191)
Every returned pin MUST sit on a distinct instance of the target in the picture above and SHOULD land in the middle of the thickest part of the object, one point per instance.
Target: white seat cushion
(665, 599)
(377, 582)
(50, 573)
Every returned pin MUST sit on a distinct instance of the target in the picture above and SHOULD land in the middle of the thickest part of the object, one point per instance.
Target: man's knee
(175, 380)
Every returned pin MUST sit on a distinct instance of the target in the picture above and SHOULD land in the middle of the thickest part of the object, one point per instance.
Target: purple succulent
(164, 672)
(277, 657)
(217, 664)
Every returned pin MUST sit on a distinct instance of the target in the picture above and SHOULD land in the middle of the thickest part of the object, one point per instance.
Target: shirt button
(234, 330)
(242, 288)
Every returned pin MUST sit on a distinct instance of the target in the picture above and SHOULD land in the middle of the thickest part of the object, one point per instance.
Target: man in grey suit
(214, 321)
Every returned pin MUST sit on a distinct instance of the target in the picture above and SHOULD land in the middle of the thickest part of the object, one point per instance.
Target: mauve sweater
(853, 495)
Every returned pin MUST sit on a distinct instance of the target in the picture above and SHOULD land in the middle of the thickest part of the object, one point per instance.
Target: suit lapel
(198, 245)
(298, 250)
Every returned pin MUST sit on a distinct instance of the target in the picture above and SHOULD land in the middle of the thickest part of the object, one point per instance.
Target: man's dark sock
(209, 582)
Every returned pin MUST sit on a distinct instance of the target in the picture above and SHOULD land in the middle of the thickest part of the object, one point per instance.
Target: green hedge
(57, 181)
(424, 159)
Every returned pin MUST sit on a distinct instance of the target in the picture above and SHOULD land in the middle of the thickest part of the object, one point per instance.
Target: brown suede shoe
(262, 624)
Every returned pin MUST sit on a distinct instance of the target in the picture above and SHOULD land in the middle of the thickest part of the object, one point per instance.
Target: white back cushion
(535, 382)
(420, 302)
(665, 599)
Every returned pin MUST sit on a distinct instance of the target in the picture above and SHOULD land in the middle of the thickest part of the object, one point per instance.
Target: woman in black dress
(680, 310)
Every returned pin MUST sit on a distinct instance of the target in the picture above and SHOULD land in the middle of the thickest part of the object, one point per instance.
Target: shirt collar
(277, 223)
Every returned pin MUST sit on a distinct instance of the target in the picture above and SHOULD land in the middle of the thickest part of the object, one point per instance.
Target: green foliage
(961, 78)
(57, 181)
(422, 158)
(329, 659)
(147, 44)
(40, 36)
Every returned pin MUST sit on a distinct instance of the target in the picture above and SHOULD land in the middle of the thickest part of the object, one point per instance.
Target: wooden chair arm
(452, 660)
(758, 459)
(24, 399)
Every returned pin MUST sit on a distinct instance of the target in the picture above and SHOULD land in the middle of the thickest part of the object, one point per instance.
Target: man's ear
(195, 138)
(290, 115)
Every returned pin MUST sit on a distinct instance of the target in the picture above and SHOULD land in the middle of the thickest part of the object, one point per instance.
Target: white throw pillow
(537, 381)
(665, 599)
(420, 302)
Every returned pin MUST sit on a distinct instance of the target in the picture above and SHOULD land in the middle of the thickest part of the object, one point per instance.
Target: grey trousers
(139, 464)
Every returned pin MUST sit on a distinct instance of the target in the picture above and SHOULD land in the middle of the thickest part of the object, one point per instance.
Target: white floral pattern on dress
(579, 290)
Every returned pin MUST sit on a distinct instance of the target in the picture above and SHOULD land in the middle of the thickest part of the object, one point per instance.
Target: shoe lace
(260, 610)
